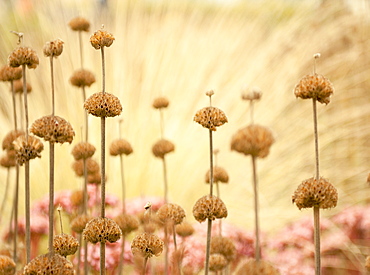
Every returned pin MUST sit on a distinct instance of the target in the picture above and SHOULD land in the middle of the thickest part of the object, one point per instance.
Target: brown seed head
(9, 139)
(9, 159)
(65, 244)
(53, 48)
(171, 212)
(103, 105)
(311, 193)
(95, 178)
(160, 102)
(8, 73)
(127, 223)
(78, 224)
(101, 39)
(82, 78)
(254, 94)
(23, 56)
(254, 267)
(316, 87)
(27, 149)
(224, 246)
(18, 86)
(79, 24)
(83, 150)
(368, 178)
(219, 175)
(209, 207)
(210, 117)
(102, 230)
(92, 167)
(253, 140)
(49, 264)
(162, 147)
(217, 262)
(120, 147)
(147, 245)
(184, 229)
(367, 263)
(7, 265)
(77, 198)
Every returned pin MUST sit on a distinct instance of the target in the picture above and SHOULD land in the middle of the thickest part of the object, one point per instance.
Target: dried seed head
(316, 87)
(92, 167)
(367, 263)
(95, 178)
(103, 105)
(9, 139)
(7, 265)
(253, 140)
(254, 94)
(78, 224)
(217, 262)
(162, 147)
(101, 39)
(18, 86)
(224, 246)
(77, 198)
(82, 78)
(83, 150)
(171, 212)
(9, 159)
(219, 175)
(79, 24)
(311, 193)
(65, 244)
(8, 73)
(23, 56)
(120, 147)
(53, 129)
(210, 93)
(184, 229)
(53, 48)
(147, 245)
(160, 102)
(49, 264)
(102, 230)
(209, 207)
(127, 223)
(27, 149)
(254, 267)
(210, 117)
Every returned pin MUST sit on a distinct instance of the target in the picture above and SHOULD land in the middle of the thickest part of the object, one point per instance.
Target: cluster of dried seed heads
(127, 223)
(101, 39)
(27, 148)
(219, 175)
(102, 230)
(314, 86)
(217, 262)
(8, 73)
(49, 264)
(53, 48)
(91, 165)
(65, 244)
(210, 117)
(10, 138)
(18, 87)
(160, 102)
(171, 212)
(23, 56)
(103, 105)
(78, 224)
(162, 147)
(147, 245)
(184, 229)
(79, 24)
(223, 245)
(83, 150)
(82, 78)
(120, 147)
(209, 207)
(7, 265)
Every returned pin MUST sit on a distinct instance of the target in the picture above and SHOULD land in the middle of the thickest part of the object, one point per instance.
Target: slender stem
(165, 181)
(316, 139)
(21, 110)
(145, 264)
(103, 68)
(251, 111)
(5, 193)
(52, 86)
(86, 266)
(102, 212)
(256, 208)
(208, 248)
(78, 270)
(85, 195)
(166, 248)
(102, 258)
(86, 115)
(14, 105)
(121, 256)
(123, 184)
(81, 52)
(27, 211)
(211, 163)
(161, 122)
(51, 199)
(25, 98)
(60, 220)
(16, 195)
(174, 235)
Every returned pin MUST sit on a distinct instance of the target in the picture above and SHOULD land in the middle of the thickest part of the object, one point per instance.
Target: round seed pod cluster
(311, 193)
(171, 212)
(101, 39)
(79, 24)
(53, 48)
(219, 175)
(23, 56)
(254, 94)
(8, 73)
(76, 198)
(210, 117)
(217, 262)
(160, 102)
(127, 223)
(49, 264)
(9, 159)
(7, 265)
(83, 150)
(78, 224)
(10, 138)
(65, 244)
(91, 165)
(103, 105)
(254, 140)
(224, 246)
(18, 87)
(102, 230)
(162, 147)
(27, 149)
(184, 229)
(254, 267)
(314, 86)
(209, 207)
(82, 78)
(120, 147)
(147, 245)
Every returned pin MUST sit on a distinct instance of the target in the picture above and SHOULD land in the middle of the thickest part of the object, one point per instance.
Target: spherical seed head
(160, 102)
(95, 178)
(7, 265)
(23, 56)
(184, 229)
(101, 39)
(49, 264)
(18, 86)
(311, 193)
(65, 244)
(78, 224)
(224, 246)
(210, 117)
(217, 262)
(171, 212)
(316, 87)
(101, 230)
(127, 223)
(254, 94)
(27, 149)
(210, 93)
(9, 160)
(209, 207)
(253, 140)
(9, 139)
(120, 147)
(53, 48)
(83, 150)
(162, 147)
(147, 245)
(77, 198)
(219, 175)
(92, 167)
(8, 73)
(82, 78)
(103, 105)
(254, 267)
(79, 24)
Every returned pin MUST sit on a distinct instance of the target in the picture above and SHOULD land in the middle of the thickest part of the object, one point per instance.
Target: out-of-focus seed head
(160, 102)
(77, 198)
(95, 178)
(9, 139)
(127, 223)
(53, 48)
(65, 244)
(311, 193)
(224, 246)
(147, 245)
(162, 147)
(103, 105)
(102, 230)
(18, 86)
(368, 178)
(82, 78)
(210, 117)
(120, 147)
(217, 262)
(49, 264)
(367, 263)
(78, 224)
(219, 175)
(8, 73)
(7, 265)
(79, 24)
(316, 87)
(254, 140)
(23, 56)
(252, 94)
(83, 150)
(91, 165)
(9, 159)
(254, 267)
(184, 229)
(27, 149)
(101, 39)
(209, 207)
(171, 212)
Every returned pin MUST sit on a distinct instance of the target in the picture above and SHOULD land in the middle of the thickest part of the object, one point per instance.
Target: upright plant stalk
(5, 193)
(121, 257)
(14, 105)
(256, 212)
(165, 180)
(15, 217)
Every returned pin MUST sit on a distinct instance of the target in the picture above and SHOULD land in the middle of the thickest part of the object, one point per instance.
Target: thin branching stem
(256, 210)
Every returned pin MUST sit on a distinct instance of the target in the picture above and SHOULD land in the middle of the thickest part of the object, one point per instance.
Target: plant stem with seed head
(86, 115)
(256, 210)
(5, 192)
(16, 195)
(14, 105)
